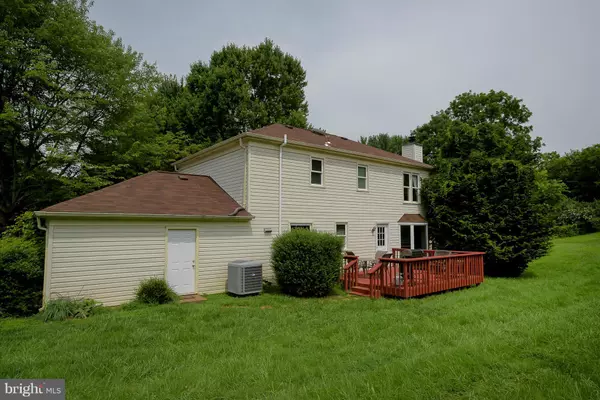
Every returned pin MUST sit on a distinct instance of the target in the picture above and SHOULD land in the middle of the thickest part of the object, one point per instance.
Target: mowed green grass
(533, 337)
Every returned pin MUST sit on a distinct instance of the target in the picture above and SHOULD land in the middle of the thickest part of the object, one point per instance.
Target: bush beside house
(155, 291)
(21, 277)
(307, 263)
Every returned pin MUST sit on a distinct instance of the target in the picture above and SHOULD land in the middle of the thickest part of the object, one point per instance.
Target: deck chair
(418, 253)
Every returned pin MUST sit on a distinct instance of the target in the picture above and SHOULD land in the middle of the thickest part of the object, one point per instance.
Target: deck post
(405, 279)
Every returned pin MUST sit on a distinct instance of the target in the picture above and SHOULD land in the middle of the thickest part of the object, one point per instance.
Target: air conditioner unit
(244, 277)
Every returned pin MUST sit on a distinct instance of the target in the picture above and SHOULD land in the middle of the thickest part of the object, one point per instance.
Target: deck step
(360, 290)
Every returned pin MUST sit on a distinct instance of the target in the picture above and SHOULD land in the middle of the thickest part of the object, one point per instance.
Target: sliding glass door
(413, 236)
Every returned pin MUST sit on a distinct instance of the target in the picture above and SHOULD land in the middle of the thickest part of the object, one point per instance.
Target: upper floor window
(412, 188)
(316, 171)
(362, 177)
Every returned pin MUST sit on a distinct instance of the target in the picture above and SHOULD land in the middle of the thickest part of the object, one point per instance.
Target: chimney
(413, 150)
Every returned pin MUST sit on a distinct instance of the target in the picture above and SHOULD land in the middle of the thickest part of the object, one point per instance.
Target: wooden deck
(410, 277)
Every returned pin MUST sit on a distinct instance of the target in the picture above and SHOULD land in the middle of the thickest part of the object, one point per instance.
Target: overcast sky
(386, 66)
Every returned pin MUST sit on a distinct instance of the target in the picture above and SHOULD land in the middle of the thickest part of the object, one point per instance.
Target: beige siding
(338, 200)
(106, 260)
(227, 169)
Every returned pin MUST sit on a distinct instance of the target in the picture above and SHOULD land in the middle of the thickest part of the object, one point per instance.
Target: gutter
(231, 216)
(281, 177)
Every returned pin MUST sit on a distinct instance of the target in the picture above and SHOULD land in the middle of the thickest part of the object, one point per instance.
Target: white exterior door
(181, 259)
(381, 237)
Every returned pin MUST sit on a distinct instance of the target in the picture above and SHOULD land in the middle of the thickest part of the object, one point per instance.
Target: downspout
(245, 187)
(46, 280)
(281, 177)
(39, 225)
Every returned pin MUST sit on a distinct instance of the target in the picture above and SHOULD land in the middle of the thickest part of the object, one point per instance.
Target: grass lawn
(537, 336)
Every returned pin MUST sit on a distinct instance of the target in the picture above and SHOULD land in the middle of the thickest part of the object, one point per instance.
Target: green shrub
(65, 308)
(307, 263)
(21, 276)
(577, 218)
(155, 291)
(562, 231)
(25, 226)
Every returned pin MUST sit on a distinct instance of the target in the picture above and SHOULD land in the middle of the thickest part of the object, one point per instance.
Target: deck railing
(409, 277)
(350, 271)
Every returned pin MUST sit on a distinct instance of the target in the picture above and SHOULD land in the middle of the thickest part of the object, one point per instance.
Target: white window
(362, 177)
(381, 237)
(300, 226)
(414, 236)
(341, 229)
(412, 188)
(316, 171)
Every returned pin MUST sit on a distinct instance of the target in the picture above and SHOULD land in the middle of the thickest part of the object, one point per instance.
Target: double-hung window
(316, 171)
(362, 177)
(412, 188)
(341, 230)
(300, 226)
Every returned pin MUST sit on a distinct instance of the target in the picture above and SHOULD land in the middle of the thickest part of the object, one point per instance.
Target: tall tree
(64, 83)
(385, 141)
(244, 88)
(495, 124)
(579, 170)
(487, 192)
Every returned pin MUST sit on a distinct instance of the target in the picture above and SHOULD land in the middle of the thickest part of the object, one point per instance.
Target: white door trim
(180, 271)
(386, 234)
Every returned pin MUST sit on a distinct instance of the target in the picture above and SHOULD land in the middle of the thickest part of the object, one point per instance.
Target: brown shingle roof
(333, 142)
(156, 193)
(412, 218)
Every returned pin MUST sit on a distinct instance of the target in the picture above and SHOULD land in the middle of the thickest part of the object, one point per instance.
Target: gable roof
(323, 140)
(333, 142)
(155, 194)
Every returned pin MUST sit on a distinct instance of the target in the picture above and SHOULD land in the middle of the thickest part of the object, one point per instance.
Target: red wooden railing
(409, 277)
(350, 271)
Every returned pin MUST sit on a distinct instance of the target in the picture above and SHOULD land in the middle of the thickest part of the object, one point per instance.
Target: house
(228, 202)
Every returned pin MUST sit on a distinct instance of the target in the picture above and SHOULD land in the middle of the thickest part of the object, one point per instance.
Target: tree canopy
(244, 88)
(487, 193)
(79, 110)
(65, 84)
(385, 141)
(579, 170)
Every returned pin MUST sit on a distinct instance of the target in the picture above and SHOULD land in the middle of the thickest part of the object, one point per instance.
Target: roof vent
(343, 138)
(183, 178)
(321, 132)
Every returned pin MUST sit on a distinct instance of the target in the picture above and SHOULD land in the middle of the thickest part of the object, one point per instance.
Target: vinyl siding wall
(106, 260)
(337, 201)
(227, 169)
